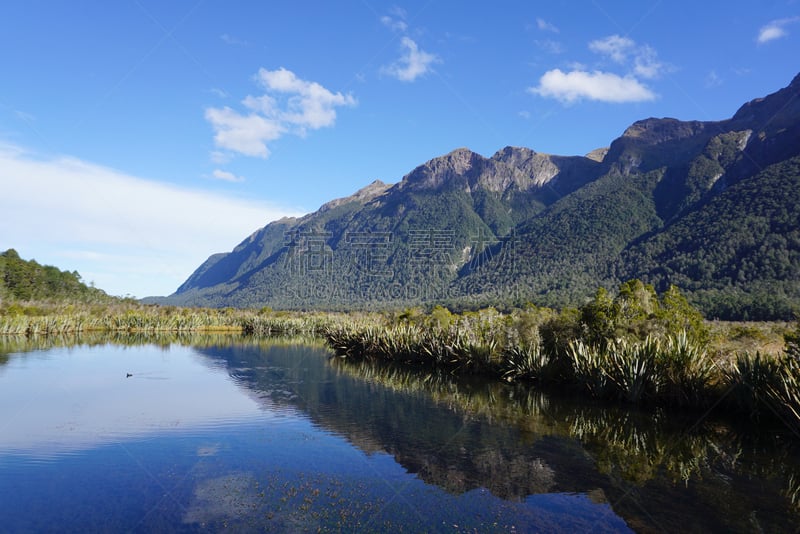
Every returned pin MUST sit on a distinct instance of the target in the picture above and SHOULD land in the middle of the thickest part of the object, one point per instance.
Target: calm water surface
(275, 436)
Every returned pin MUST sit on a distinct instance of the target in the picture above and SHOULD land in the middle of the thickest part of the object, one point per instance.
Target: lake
(213, 433)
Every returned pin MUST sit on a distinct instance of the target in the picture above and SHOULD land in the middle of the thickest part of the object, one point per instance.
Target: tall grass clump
(527, 362)
(671, 370)
(765, 386)
(688, 371)
(587, 365)
(618, 369)
(750, 377)
(634, 370)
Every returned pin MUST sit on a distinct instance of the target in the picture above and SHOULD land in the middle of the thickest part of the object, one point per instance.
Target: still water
(230, 434)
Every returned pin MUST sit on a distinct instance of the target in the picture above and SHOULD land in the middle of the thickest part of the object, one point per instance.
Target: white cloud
(570, 87)
(646, 63)
(219, 92)
(394, 24)
(412, 64)
(127, 234)
(775, 29)
(309, 105)
(399, 12)
(290, 105)
(770, 33)
(581, 83)
(226, 176)
(642, 59)
(245, 134)
(614, 46)
(220, 158)
(545, 26)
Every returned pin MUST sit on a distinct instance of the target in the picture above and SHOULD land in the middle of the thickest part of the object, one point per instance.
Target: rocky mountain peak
(363, 195)
(513, 155)
(456, 167)
(655, 131)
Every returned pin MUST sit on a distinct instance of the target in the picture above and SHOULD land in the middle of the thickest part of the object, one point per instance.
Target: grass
(57, 320)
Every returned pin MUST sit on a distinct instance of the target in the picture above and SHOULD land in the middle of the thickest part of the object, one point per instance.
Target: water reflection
(462, 435)
(70, 399)
(550, 458)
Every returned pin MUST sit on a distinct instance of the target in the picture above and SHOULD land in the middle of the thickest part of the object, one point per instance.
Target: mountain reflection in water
(465, 433)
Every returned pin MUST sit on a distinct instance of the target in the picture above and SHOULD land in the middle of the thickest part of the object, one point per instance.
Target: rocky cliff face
(510, 169)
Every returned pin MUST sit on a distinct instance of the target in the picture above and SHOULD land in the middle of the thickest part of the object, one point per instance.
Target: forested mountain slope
(711, 207)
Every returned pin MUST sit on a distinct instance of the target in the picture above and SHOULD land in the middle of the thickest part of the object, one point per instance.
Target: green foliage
(677, 315)
(600, 317)
(24, 281)
(632, 348)
(637, 311)
(440, 318)
(559, 331)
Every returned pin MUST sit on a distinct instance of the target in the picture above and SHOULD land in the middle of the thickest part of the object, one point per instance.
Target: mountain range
(712, 207)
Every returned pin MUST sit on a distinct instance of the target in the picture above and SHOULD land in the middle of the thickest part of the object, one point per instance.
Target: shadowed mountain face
(711, 207)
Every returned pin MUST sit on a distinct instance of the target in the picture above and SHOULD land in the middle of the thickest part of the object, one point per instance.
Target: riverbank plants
(44, 319)
(637, 347)
(764, 386)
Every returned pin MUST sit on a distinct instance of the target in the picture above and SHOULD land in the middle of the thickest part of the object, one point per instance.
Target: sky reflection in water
(64, 400)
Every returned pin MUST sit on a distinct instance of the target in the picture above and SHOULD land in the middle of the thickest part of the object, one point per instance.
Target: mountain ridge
(465, 230)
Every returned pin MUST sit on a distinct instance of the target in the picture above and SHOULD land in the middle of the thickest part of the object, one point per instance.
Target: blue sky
(139, 137)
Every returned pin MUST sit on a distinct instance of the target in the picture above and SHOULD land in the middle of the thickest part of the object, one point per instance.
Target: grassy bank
(32, 319)
(670, 370)
(637, 348)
